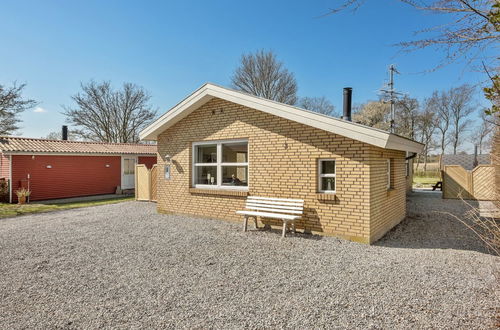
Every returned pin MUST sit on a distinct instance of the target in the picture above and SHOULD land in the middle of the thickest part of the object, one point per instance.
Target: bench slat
(270, 215)
(272, 206)
(273, 210)
(277, 199)
(249, 200)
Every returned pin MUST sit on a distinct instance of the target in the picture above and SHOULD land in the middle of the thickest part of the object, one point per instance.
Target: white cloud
(39, 110)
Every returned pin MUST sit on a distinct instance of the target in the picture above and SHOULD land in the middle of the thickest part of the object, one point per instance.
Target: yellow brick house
(218, 146)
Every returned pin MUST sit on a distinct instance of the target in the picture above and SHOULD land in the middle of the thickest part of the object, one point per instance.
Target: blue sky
(173, 47)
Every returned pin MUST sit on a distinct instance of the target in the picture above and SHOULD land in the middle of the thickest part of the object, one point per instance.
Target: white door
(128, 172)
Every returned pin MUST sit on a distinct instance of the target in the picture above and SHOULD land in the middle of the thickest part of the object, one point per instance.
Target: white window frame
(388, 173)
(329, 175)
(219, 164)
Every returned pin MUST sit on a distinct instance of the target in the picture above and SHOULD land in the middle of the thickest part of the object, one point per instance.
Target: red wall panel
(70, 176)
(148, 161)
(4, 166)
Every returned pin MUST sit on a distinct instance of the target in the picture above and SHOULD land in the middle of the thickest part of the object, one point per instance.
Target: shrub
(4, 190)
(23, 192)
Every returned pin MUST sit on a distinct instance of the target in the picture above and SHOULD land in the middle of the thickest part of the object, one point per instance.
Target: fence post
(136, 175)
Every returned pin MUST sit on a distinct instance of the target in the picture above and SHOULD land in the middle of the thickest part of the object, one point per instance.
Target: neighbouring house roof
(338, 126)
(20, 145)
(466, 161)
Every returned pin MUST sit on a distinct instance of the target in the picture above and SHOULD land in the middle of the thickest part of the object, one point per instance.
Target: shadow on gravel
(289, 234)
(428, 226)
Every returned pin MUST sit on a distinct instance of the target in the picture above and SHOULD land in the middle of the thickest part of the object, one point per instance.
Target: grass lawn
(11, 210)
(427, 178)
(425, 181)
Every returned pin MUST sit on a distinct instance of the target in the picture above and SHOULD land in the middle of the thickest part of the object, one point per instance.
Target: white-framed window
(220, 164)
(128, 166)
(327, 175)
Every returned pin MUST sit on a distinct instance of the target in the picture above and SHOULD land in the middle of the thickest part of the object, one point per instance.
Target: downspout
(10, 179)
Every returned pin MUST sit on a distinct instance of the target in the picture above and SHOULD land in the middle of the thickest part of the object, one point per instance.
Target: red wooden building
(59, 169)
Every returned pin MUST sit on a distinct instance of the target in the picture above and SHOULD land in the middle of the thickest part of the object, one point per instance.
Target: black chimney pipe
(347, 103)
(65, 132)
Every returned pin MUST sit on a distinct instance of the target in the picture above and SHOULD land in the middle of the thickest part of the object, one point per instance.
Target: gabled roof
(13, 145)
(338, 126)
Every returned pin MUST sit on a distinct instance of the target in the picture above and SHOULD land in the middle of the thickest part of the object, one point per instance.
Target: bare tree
(482, 132)
(12, 104)
(261, 74)
(58, 136)
(318, 104)
(461, 99)
(470, 29)
(374, 114)
(493, 94)
(108, 115)
(425, 128)
(472, 26)
(439, 103)
(407, 113)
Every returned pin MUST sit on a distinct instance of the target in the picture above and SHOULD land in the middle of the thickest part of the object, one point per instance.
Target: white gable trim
(348, 129)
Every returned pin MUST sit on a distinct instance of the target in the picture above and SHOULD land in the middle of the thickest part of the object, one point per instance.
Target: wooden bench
(438, 185)
(287, 210)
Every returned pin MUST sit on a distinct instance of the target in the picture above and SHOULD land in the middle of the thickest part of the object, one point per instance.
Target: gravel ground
(123, 265)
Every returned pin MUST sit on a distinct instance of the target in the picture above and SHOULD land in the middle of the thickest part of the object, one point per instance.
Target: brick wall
(387, 207)
(283, 158)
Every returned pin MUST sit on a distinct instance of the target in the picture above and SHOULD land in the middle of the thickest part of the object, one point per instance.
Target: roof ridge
(356, 131)
(302, 109)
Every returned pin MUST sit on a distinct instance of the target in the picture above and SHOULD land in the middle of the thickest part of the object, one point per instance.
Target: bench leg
(284, 228)
(255, 221)
(245, 222)
(293, 227)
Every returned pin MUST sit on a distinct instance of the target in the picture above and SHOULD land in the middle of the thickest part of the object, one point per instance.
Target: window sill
(326, 196)
(220, 192)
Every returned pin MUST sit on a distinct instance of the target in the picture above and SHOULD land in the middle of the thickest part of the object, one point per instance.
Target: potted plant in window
(22, 194)
(330, 183)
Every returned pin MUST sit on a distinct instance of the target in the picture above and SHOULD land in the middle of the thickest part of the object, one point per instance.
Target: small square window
(327, 176)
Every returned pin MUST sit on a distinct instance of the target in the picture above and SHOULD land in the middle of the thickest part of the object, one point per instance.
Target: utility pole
(391, 93)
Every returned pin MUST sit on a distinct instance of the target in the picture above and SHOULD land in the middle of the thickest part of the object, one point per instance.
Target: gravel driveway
(123, 265)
